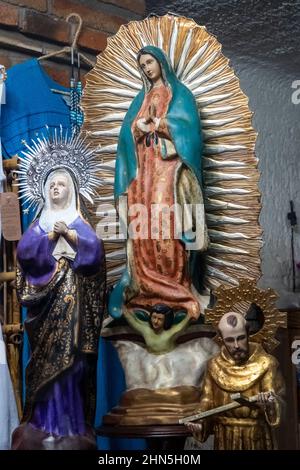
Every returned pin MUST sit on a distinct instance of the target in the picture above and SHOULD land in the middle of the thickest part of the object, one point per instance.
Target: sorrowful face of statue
(59, 190)
(232, 328)
(150, 67)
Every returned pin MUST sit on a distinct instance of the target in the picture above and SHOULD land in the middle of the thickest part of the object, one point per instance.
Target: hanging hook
(79, 27)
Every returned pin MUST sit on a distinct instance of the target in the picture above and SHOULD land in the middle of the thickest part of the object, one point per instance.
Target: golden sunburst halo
(233, 298)
(230, 174)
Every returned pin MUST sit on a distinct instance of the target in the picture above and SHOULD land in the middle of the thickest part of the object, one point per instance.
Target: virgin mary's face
(150, 66)
(59, 190)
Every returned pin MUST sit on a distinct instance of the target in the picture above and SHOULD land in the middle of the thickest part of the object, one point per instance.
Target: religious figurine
(159, 163)
(175, 132)
(61, 280)
(159, 332)
(243, 370)
(174, 127)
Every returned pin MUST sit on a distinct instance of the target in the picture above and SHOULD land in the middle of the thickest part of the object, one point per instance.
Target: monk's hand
(60, 228)
(266, 399)
(194, 427)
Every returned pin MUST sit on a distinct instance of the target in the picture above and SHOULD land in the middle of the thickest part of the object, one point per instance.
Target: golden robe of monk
(244, 428)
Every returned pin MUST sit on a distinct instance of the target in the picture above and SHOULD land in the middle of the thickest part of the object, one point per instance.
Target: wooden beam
(7, 276)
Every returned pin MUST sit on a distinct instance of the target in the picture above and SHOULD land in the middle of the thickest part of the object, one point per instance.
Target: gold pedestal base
(146, 407)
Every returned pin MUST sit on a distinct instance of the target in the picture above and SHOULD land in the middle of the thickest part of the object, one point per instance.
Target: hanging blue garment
(30, 106)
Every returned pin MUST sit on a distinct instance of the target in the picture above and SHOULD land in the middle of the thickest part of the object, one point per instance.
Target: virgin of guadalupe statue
(167, 109)
(199, 86)
(159, 163)
(61, 279)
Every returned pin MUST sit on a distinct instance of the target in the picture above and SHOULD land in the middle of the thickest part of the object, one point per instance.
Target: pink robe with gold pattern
(159, 266)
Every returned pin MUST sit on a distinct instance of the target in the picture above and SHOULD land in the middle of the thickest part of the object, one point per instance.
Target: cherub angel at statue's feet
(161, 329)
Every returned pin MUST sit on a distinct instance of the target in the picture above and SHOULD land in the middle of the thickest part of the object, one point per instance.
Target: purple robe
(35, 252)
(65, 308)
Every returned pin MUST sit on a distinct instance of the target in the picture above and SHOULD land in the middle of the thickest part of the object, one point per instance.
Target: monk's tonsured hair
(232, 321)
(166, 311)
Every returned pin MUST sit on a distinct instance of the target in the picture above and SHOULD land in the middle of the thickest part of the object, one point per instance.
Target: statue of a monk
(245, 367)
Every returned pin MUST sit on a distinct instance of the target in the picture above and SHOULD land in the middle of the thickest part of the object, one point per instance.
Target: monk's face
(235, 337)
(157, 321)
(150, 67)
(59, 190)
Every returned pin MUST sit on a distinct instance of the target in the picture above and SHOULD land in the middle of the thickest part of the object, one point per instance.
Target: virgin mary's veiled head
(149, 66)
(154, 59)
(60, 190)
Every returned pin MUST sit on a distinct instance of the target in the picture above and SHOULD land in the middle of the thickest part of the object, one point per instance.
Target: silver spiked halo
(57, 151)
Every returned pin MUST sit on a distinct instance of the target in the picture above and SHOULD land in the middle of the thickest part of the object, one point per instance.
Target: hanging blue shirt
(30, 105)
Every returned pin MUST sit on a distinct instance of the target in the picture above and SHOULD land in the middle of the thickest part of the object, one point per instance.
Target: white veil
(68, 214)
